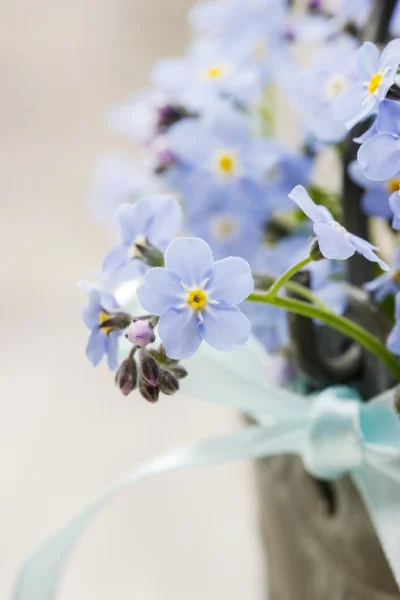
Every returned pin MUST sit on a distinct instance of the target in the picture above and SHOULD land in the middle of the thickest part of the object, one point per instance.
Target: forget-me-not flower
(379, 155)
(151, 221)
(334, 240)
(315, 90)
(375, 200)
(102, 315)
(196, 298)
(387, 283)
(375, 74)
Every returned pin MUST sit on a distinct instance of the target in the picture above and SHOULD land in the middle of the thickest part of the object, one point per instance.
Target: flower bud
(140, 333)
(168, 383)
(148, 391)
(126, 376)
(149, 369)
(148, 253)
(178, 371)
(314, 250)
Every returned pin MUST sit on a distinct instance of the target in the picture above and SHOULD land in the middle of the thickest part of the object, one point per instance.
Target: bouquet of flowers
(234, 258)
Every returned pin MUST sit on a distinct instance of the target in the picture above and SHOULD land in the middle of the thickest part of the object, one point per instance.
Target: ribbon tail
(379, 486)
(39, 576)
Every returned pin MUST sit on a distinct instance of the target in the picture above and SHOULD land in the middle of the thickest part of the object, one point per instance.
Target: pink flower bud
(140, 333)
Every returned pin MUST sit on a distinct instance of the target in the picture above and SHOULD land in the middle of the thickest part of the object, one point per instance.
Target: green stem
(281, 281)
(357, 333)
(266, 281)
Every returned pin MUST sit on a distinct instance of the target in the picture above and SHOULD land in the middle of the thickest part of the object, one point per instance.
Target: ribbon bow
(333, 432)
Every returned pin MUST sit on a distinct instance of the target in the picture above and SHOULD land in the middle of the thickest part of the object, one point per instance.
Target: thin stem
(281, 281)
(352, 330)
(291, 286)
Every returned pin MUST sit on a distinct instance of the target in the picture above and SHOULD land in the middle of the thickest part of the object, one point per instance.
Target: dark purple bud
(289, 34)
(314, 5)
(126, 376)
(168, 383)
(141, 333)
(149, 392)
(149, 369)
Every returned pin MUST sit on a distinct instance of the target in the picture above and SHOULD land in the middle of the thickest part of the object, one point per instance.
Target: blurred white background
(65, 432)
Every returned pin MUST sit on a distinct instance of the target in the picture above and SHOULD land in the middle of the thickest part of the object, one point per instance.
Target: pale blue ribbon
(333, 432)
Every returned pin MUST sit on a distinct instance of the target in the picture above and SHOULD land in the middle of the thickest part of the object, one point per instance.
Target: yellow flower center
(103, 318)
(214, 72)
(396, 277)
(225, 163)
(335, 85)
(374, 83)
(197, 299)
(393, 185)
(223, 227)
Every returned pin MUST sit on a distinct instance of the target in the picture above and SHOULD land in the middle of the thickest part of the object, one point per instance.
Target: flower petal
(112, 349)
(304, 202)
(375, 203)
(115, 258)
(380, 157)
(393, 341)
(160, 290)
(231, 280)
(367, 61)
(391, 55)
(225, 328)
(332, 243)
(179, 332)
(189, 258)
(367, 250)
(96, 346)
(388, 119)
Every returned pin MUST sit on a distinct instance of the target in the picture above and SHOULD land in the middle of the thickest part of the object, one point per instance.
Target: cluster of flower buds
(151, 371)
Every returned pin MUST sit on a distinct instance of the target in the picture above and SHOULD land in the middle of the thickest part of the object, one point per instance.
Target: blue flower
(394, 203)
(315, 90)
(334, 240)
(387, 283)
(228, 226)
(375, 200)
(103, 316)
(375, 75)
(393, 341)
(380, 154)
(118, 180)
(196, 298)
(153, 221)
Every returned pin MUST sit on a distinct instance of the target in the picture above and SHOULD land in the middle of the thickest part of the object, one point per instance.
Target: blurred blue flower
(219, 154)
(101, 315)
(375, 74)
(334, 240)
(375, 200)
(196, 298)
(198, 80)
(117, 180)
(380, 154)
(153, 221)
(394, 203)
(226, 224)
(387, 283)
(315, 89)
(393, 341)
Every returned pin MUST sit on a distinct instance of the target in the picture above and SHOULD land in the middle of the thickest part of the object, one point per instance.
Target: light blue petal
(112, 349)
(108, 302)
(96, 347)
(91, 310)
(388, 119)
(192, 143)
(332, 243)
(191, 259)
(300, 196)
(334, 295)
(366, 250)
(380, 157)
(367, 61)
(167, 222)
(225, 327)
(391, 55)
(354, 105)
(375, 202)
(394, 203)
(393, 341)
(231, 280)
(115, 258)
(381, 287)
(179, 332)
(356, 173)
(160, 290)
